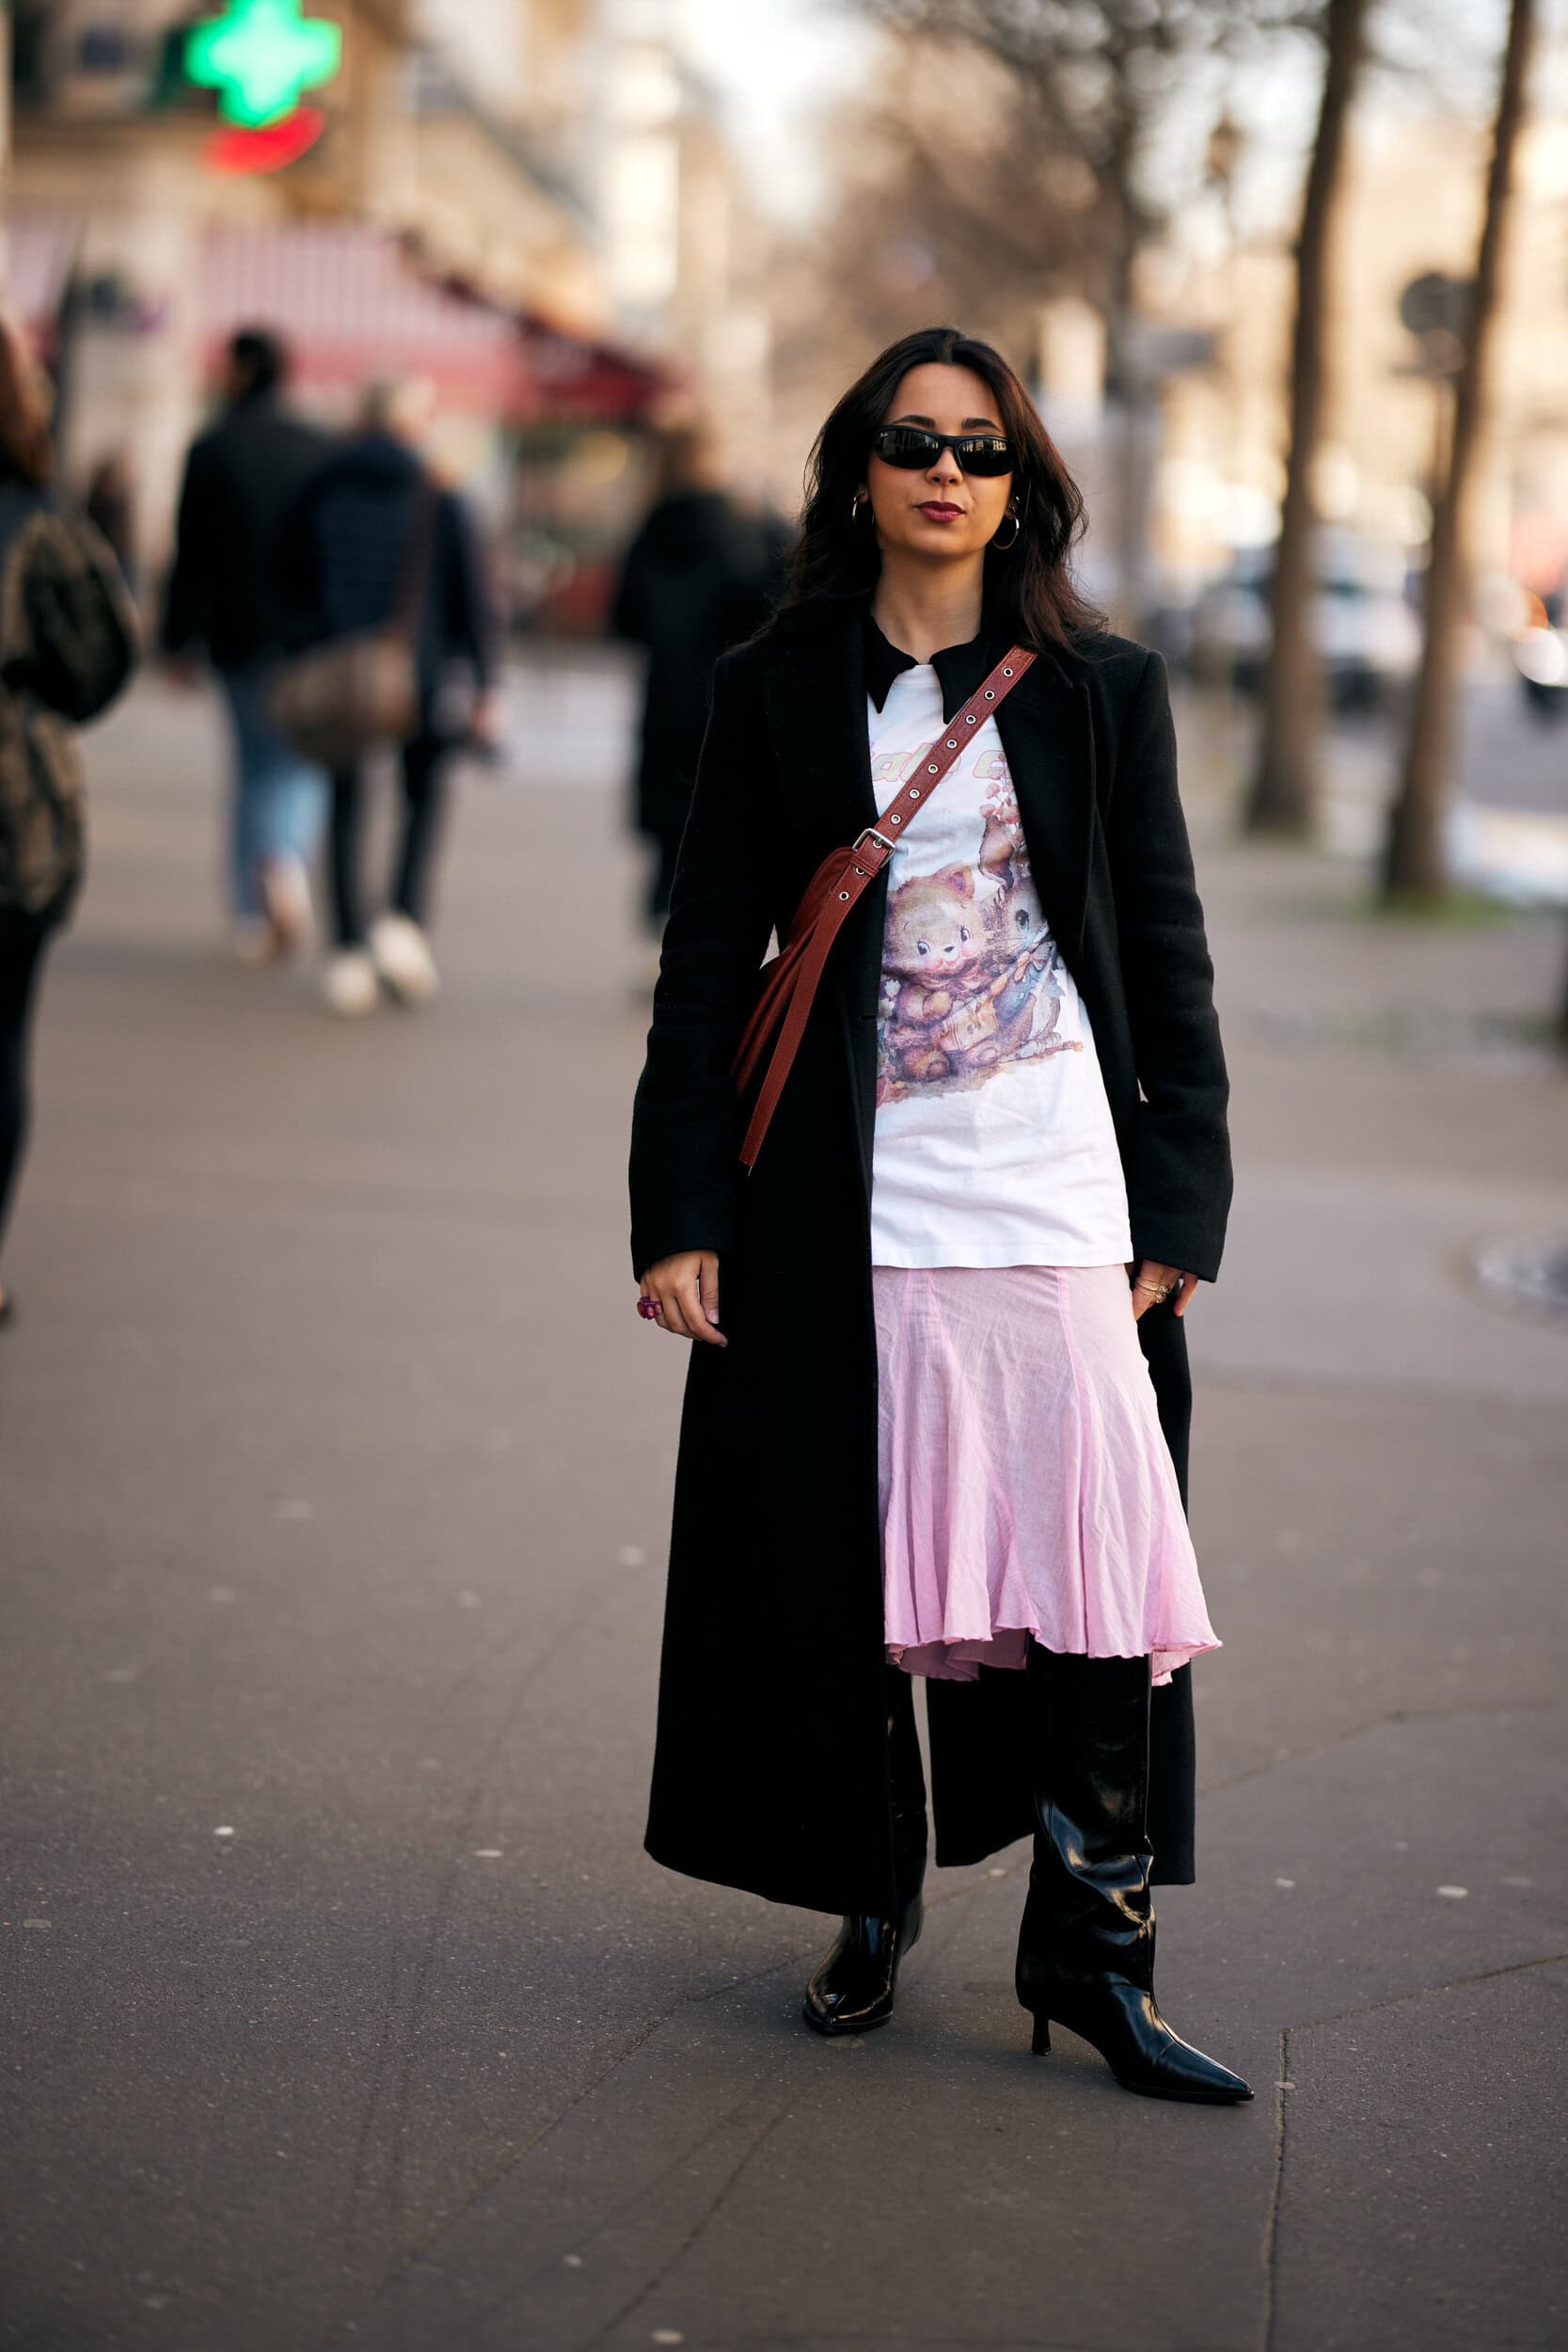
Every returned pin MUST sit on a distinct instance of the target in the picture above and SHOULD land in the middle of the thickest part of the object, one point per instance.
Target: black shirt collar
(959, 669)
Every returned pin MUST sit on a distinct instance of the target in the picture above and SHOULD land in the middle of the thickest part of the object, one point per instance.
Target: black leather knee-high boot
(1085, 1951)
(853, 1989)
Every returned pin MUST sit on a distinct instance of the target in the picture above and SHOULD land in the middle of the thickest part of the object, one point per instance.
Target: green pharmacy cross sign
(260, 55)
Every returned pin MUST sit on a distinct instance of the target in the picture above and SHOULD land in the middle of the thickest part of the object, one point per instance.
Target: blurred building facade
(953, 202)
(1411, 207)
(530, 200)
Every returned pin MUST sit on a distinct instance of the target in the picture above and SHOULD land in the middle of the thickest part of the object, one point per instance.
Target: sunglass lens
(906, 446)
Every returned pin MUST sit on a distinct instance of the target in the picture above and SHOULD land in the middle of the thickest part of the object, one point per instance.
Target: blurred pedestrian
(226, 594)
(109, 504)
(942, 1428)
(700, 577)
(67, 646)
(376, 532)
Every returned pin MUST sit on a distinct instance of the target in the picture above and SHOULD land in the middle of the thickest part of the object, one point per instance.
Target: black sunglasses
(911, 447)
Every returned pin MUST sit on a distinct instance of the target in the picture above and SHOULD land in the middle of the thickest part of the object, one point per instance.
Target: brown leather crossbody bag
(789, 981)
(341, 699)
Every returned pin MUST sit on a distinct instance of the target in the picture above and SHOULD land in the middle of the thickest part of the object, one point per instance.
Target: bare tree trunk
(1131, 394)
(1414, 865)
(1283, 796)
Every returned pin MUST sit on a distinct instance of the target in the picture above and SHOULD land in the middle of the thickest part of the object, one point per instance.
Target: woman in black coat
(932, 1427)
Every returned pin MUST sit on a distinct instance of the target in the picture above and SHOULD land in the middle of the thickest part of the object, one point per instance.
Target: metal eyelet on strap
(1007, 673)
(896, 821)
(991, 693)
(844, 894)
(931, 767)
(970, 721)
(914, 791)
(951, 742)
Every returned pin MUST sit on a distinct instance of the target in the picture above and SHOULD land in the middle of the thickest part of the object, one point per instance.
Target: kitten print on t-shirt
(971, 975)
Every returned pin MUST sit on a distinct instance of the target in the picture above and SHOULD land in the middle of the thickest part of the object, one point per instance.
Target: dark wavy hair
(26, 450)
(1030, 592)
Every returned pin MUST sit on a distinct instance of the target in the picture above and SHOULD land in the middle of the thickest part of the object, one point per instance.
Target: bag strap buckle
(870, 833)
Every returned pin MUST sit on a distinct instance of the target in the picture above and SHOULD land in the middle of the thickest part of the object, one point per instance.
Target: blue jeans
(278, 806)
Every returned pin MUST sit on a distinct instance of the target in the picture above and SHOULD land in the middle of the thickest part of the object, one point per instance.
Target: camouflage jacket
(68, 644)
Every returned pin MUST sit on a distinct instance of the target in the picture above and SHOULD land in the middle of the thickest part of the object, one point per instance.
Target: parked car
(1368, 636)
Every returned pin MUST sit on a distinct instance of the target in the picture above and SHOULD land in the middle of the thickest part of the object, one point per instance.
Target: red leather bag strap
(772, 1035)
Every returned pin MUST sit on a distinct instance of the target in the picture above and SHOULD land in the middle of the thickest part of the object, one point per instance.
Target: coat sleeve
(1180, 1178)
(188, 599)
(686, 1120)
(469, 621)
(629, 612)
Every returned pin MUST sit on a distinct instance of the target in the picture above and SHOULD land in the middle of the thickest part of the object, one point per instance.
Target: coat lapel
(1048, 736)
(816, 700)
(815, 696)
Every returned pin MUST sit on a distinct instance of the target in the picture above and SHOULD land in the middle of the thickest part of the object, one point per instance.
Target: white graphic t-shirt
(994, 1142)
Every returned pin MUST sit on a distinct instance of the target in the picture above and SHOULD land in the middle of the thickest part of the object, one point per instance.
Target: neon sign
(261, 56)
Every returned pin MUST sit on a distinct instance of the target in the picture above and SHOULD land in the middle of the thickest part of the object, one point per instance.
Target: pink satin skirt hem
(1025, 1486)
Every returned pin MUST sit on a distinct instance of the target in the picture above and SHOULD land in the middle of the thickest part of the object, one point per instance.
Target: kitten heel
(1040, 2046)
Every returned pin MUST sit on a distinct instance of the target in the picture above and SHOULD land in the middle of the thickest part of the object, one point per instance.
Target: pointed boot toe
(1184, 2072)
(1123, 2022)
(853, 1991)
(1177, 2070)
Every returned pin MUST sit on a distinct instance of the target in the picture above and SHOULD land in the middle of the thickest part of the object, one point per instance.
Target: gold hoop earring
(1017, 520)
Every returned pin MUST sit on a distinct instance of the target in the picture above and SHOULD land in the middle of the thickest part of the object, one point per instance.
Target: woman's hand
(685, 1288)
(1152, 1279)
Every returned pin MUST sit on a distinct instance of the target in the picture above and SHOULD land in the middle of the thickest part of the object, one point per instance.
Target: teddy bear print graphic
(972, 982)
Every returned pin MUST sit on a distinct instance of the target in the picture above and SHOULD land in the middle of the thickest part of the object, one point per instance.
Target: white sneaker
(401, 953)
(349, 985)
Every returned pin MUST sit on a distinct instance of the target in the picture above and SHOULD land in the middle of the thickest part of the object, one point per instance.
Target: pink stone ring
(648, 1308)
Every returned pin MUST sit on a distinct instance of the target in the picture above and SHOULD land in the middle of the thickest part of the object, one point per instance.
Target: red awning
(349, 306)
(580, 381)
(352, 304)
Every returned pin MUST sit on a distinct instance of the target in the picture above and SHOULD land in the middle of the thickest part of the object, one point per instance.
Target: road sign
(1435, 304)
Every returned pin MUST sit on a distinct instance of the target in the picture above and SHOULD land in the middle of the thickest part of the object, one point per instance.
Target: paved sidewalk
(343, 2006)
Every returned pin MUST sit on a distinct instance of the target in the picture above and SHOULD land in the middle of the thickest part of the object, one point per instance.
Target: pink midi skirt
(1025, 1484)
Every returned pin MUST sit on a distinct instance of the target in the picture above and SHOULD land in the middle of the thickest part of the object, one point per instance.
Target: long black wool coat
(770, 1771)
